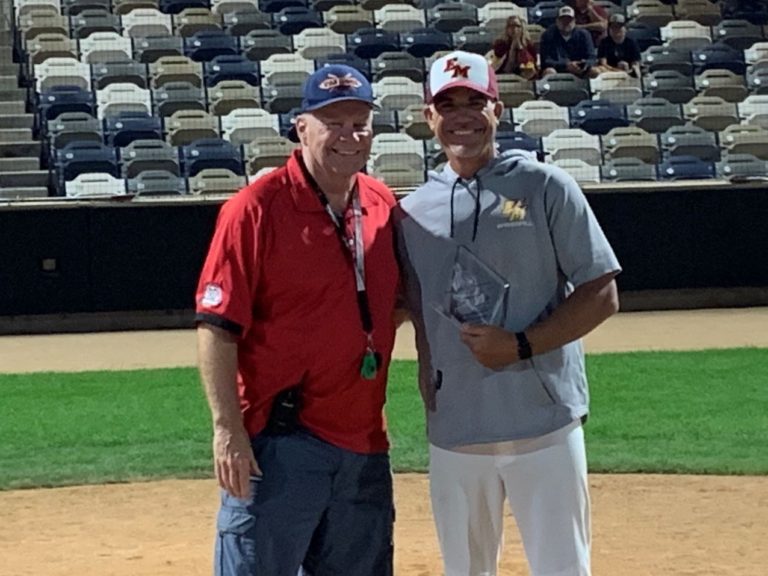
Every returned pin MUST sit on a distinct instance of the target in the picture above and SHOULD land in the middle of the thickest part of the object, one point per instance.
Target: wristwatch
(523, 346)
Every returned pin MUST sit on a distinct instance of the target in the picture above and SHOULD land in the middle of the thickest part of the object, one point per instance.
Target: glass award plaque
(477, 293)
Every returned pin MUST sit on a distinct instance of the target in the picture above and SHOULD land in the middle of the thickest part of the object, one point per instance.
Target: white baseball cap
(462, 69)
(566, 12)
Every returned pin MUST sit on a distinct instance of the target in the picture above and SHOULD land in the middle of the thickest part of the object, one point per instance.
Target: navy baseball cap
(335, 83)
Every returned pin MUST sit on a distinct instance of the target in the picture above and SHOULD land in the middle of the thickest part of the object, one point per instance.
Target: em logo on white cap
(459, 69)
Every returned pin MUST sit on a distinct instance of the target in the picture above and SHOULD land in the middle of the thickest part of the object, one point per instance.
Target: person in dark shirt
(617, 51)
(565, 48)
(591, 17)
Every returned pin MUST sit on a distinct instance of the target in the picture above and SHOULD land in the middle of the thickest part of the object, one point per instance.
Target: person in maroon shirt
(590, 17)
(513, 52)
(295, 312)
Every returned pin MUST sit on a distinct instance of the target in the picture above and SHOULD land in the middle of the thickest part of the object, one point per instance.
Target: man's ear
(429, 114)
(301, 127)
(498, 109)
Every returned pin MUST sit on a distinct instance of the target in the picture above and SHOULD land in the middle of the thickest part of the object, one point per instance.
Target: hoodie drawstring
(476, 221)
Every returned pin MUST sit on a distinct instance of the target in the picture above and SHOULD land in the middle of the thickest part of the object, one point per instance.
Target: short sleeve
(582, 250)
(227, 285)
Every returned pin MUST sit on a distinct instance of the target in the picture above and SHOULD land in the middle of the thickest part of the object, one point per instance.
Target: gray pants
(317, 507)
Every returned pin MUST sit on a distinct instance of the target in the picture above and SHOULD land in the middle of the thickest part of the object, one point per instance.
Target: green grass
(692, 412)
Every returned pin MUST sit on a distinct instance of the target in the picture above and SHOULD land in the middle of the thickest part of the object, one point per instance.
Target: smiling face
(336, 139)
(464, 122)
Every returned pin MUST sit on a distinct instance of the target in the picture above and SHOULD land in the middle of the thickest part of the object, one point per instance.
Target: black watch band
(523, 346)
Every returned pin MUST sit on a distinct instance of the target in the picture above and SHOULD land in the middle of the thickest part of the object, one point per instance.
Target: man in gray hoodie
(504, 386)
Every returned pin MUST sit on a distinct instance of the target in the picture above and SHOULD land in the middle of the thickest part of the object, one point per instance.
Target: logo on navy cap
(335, 83)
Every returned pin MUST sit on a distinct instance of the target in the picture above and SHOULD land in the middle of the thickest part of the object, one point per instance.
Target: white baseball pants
(547, 492)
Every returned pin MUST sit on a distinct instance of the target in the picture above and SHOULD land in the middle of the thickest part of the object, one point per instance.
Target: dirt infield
(643, 525)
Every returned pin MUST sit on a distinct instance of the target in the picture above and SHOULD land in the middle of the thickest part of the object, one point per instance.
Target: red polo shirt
(276, 276)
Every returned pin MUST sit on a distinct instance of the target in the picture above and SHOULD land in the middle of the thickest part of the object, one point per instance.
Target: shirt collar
(304, 196)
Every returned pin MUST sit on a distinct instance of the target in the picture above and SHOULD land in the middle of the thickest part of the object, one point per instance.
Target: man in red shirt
(295, 332)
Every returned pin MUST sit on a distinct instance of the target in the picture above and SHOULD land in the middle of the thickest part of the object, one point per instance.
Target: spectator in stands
(295, 332)
(513, 52)
(617, 51)
(565, 48)
(590, 17)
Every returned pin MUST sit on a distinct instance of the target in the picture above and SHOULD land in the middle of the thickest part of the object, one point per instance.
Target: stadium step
(26, 179)
(16, 121)
(19, 165)
(20, 149)
(16, 135)
(12, 94)
(21, 193)
(13, 107)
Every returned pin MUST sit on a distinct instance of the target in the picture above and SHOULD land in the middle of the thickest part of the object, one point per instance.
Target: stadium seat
(685, 35)
(147, 23)
(571, 143)
(244, 125)
(75, 7)
(411, 120)
(175, 96)
(493, 16)
(398, 64)
(282, 97)
(540, 117)
(424, 42)
(94, 20)
(738, 34)
(755, 12)
(149, 155)
(654, 114)
(757, 80)
(314, 43)
(62, 72)
(294, 19)
(690, 140)
(178, 6)
(518, 141)
(273, 6)
(194, 20)
(222, 7)
(60, 99)
(267, 153)
(259, 45)
(148, 50)
(597, 116)
(398, 18)
(42, 21)
(216, 181)
(120, 97)
(627, 170)
(474, 39)
(206, 45)
(175, 69)
(397, 92)
(754, 110)
(105, 47)
(186, 126)
(50, 45)
(544, 13)
(650, 12)
(722, 84)
(703, 12)
(582, 172)
(348, 19)
(563, 89)
(123, 7)
(718, 56)
(280, 68)
(89, 185)
(514, 90)
(451, 16)
(370, 42)
(711, 113)
(242, 21)
(658, 58)
(229, 95)
(125, 127)
(396, 150)
(385, 121)
(631, 142)
(210, 153)
(74, 127)
(745, 139)
(83, 157)
(616, 88)
(686, 168)
(157, 183)
(741, 166)
(670, 85)
(645, 35)
(236, 67)
(107, 73)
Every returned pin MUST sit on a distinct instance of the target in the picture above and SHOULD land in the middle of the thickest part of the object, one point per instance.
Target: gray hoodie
(531, 223)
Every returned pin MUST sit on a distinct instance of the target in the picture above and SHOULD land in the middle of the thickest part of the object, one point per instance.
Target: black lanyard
(355, 247)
